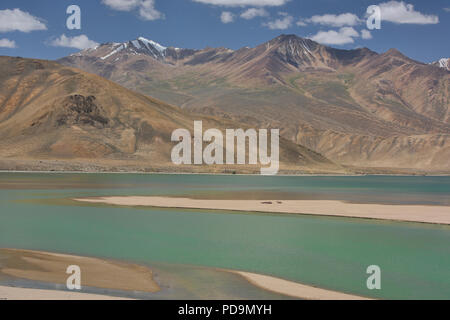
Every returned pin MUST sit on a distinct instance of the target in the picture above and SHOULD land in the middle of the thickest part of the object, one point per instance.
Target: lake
(329, 252)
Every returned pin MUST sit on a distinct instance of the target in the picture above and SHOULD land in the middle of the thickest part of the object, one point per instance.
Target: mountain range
(358, 108)
(54, 117)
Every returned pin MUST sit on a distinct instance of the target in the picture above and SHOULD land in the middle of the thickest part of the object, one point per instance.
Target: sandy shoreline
(281, 174)
(50, 268)
(406, 213)
(13, 293)
(294, 289)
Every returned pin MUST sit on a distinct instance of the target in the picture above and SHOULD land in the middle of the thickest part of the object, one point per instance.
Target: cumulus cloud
(6, 43)
(80, 42)
(146, 8)
(253, 13)
(18, 20)
(227, 17)
(282, 23)
(342, 36)
(242, 3)
(365, 34)
(340, 20)
(403, 13)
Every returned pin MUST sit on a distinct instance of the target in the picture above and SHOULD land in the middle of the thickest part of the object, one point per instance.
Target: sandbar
(407, 213)
(95, 273)
(294, 289)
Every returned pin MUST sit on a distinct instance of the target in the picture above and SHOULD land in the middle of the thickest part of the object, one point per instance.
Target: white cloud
(253, 13)
(227, 17)
(447, 9)
(365, 34)
(18, 20)
(403, 13)
(80, 42)
(6, 43)
(282, 23)
(122, 5)
(301, 23)
(147, 10)
(342, 36)
(340, 20)
(242, 3)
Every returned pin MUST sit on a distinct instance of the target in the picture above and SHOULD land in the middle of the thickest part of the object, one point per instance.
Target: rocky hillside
(56, 117)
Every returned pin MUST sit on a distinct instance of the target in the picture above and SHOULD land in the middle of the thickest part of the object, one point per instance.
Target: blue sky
(420, 29)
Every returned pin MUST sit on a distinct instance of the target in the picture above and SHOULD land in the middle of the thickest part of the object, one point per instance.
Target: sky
(38, 28)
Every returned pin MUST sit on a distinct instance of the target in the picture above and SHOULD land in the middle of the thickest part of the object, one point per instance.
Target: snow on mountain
(442, 63)
(139, 46)
(152, 44)
(118, 49)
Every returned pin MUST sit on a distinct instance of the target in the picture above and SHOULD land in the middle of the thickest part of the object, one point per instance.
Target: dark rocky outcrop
(82, 110)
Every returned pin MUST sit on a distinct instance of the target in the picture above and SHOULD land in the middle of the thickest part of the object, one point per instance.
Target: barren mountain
(60, 118)
(357, 107)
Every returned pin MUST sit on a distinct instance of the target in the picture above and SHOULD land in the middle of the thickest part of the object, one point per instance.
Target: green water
(333, 253)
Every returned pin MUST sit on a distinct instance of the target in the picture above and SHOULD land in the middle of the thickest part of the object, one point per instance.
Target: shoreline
(234, 174)
(294, 289)
(327, 208)
(16, 293)
(31, 270)
(47, 267)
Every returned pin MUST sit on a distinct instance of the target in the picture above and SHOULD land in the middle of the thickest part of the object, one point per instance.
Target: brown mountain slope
(357, 107)
(49, 112)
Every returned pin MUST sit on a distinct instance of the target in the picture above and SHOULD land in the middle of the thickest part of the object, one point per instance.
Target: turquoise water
(333, 253)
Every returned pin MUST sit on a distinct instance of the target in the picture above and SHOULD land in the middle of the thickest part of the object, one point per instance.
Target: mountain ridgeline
(357, 107)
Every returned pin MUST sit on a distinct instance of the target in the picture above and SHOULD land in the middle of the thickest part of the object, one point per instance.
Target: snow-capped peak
(443, 63)
(135, 47)
(152, 43)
